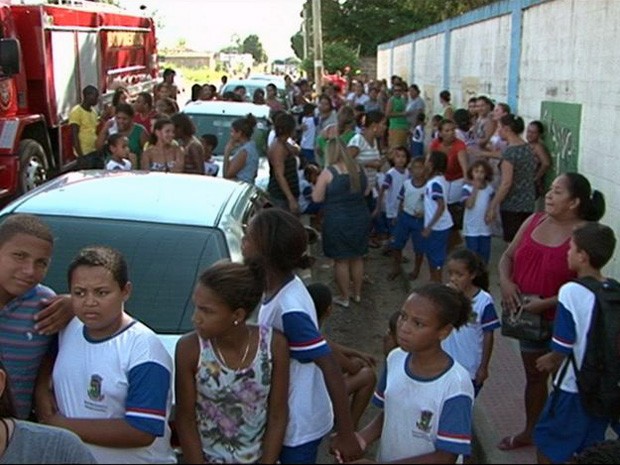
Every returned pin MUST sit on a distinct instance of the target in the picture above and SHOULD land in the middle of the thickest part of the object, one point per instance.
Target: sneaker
(341, 301)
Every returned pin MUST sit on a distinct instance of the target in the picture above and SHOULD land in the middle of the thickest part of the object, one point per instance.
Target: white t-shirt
(436, 188)
(570, 329)
(292, 311)
(465, 344)
(413, 198)
(113, 165)
(473, 218)
(392, 184)
(127, 376)
(421, 415)
(358, 99)
(367, 153)
(308, 135)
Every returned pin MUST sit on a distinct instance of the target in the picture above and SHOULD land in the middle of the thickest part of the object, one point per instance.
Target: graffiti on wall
(562, 123)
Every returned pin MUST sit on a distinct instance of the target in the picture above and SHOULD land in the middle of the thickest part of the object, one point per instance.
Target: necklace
(245, 352)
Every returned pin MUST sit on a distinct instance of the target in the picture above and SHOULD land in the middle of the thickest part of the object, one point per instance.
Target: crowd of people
(372, 171)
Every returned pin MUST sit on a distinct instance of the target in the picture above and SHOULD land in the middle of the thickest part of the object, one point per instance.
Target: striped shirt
(21, 348)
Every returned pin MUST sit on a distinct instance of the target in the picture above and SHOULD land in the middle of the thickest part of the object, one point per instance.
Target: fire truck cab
(50, 51)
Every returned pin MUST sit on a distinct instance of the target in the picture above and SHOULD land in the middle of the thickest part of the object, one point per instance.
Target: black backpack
(598, 379)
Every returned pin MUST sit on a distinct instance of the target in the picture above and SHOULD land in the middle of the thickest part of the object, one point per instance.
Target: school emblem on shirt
(424, 423)
(473, 316)
(94, 389)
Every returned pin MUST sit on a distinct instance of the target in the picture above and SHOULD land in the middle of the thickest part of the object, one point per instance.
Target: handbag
(525, 325)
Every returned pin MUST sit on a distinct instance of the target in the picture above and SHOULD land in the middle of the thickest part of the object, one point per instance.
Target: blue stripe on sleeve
(489, 321)
(455, 424)
(378, 398)
(305, 341)
(564, 333)
(465, 193)
(387, 181)
(147, 397)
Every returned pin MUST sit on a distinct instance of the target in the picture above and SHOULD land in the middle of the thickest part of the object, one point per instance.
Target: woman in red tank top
(535, 263)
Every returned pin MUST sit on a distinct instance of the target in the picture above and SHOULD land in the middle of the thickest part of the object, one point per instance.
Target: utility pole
(305, 31)
(318, 43)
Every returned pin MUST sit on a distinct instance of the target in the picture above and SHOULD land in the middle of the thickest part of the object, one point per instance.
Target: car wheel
(33, 165)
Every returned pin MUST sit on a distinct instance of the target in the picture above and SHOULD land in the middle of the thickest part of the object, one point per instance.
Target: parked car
(168, 226)
(216, 117)
(257, 82)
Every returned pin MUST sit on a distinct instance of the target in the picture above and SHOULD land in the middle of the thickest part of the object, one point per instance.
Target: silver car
(169, 227)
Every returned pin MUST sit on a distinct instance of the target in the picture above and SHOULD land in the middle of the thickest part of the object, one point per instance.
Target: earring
(235, 323)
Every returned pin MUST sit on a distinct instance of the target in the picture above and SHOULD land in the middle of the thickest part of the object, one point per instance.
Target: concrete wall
(554, 60)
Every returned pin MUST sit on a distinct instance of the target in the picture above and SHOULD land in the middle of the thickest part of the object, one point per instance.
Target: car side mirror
(9, 56)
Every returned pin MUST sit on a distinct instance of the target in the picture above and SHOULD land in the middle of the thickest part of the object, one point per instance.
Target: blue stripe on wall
(513, 7)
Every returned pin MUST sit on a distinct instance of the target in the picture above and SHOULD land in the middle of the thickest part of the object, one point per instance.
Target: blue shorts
(305, 453)
(436, 248)
(568, 429)
(408, 226)
(481, 245)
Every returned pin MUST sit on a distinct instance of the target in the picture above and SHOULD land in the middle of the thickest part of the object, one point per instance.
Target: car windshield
(219, 125)
(164, 263)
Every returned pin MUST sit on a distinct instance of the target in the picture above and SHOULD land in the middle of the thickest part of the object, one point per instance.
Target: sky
(209, 25)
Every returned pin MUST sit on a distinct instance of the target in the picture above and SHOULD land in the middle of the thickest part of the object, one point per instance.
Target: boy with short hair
(209, 142)
(26, 245)
(565, 427)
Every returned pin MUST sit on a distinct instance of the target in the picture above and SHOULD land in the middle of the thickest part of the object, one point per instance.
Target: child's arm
(550, 362)
(368, 359)
(43, 392)
(186, 360)
(441, 206)
(470, 197)
(277, 413)
(56, 315)
(487, 349)
(347, 364)
(344, 442)
(372, 431)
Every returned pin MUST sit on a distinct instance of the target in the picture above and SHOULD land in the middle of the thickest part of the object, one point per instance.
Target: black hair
(327, 98)
(415, 87)
(113, 139)
(406, 151)
(488, 101)
(309, 109)
(539, 126)
(513, 122)
(240, 87)
(462, 119)
(472, 99)
(116, 97)
(418, 159)
(445, 95)
(452, 305)
(159, 124)
(126, 109)
(245, 125)
(229, 95)
(7, 402)
(311, 168)
(104, 256)
(89, 90)
(438, 161)
(436, 118)
(196, 90)
(597, 240)
(238, 285)
(184, 123)
(284, 124)
(421, 117)
(373, 117)
(211, 140)
(23, 223)
(503, 106)
(322, 298)
(169, 72)
(591, 203)
(281, 240)
(474, 264)
(147, 97)
(488, 171)
(272, 85)
(393, 322)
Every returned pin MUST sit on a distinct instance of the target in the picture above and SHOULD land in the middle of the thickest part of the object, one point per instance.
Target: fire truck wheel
(33, 165)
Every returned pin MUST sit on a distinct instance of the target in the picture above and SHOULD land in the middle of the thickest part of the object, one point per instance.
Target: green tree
(364, 24)
(252, 45)
(336, 56)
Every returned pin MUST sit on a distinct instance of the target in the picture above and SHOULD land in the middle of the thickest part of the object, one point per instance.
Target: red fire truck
(49, 51)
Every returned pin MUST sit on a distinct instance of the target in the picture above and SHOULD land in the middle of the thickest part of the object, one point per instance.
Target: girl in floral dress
(231, 378)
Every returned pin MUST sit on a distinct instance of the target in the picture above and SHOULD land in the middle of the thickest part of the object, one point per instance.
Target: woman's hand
(511, 296)
(489, 216)
(426, 232)
(534, 304)
(293, 205)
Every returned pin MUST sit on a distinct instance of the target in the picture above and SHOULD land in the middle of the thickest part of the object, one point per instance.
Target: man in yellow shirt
(83, 120)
